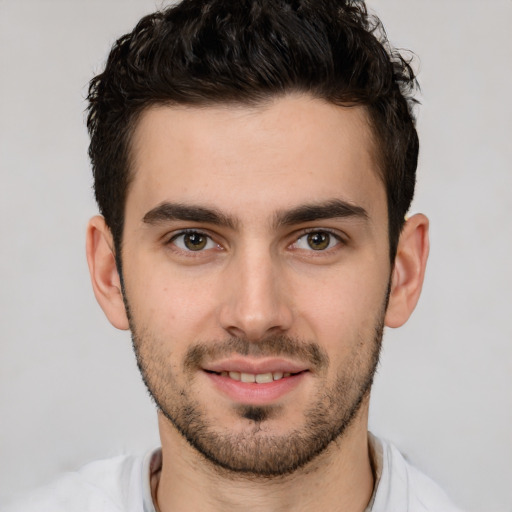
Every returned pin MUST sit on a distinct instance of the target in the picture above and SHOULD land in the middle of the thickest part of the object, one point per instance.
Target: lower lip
(255, 394)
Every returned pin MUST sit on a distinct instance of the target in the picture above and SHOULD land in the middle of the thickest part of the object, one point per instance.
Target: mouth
(257, 378)
(256, 382)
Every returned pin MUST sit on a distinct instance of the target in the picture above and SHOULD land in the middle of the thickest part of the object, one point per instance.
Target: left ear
(408, 270)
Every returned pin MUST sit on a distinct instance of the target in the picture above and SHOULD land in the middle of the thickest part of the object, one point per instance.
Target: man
(253, 163)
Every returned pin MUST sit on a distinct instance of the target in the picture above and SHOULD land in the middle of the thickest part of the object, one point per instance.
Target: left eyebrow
(333, 209)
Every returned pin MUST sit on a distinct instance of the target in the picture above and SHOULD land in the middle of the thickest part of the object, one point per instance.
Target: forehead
(293, 150)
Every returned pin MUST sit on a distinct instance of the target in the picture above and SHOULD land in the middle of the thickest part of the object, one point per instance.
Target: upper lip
(255, 366)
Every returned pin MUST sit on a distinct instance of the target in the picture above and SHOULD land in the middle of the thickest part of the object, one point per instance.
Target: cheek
(170, 302)
(342, 307)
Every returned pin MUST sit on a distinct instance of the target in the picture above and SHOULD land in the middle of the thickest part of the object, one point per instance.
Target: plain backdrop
(69, 388)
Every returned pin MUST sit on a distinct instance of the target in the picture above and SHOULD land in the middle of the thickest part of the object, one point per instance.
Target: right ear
(105, 279)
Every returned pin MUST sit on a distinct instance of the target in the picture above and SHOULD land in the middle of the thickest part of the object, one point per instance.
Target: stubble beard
(256, 451)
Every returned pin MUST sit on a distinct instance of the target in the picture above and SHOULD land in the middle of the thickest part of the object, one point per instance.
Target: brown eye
(193, 241)
(319, 240)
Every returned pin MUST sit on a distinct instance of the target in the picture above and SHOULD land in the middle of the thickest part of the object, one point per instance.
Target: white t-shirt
(122, 484)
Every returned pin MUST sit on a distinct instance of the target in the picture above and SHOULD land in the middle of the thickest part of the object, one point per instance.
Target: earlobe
(408, 271)
(103, 270)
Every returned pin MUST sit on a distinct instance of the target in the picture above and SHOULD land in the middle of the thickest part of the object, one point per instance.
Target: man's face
(255, 248)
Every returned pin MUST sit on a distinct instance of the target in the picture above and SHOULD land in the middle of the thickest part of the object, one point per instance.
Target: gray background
(69, 388)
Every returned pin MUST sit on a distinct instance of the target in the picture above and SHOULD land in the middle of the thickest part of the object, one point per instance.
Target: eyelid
(340, 237)
(170, 238)
(334, 232)
(188, 231)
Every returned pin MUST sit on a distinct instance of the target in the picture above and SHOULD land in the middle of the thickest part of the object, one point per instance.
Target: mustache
(271, 346)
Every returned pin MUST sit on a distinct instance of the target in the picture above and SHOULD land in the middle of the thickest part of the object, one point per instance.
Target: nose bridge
(255, 301)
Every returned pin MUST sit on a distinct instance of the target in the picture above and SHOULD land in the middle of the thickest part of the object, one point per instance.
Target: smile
(261, 388)
(258, 378)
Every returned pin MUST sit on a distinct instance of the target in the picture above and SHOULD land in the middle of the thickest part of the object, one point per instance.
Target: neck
(340, 479)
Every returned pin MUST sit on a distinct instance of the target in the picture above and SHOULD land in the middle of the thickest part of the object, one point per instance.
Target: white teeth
(260, 378)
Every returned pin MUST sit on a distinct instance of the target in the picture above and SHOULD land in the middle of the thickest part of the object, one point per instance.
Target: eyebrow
(175, 211)
(334, 208)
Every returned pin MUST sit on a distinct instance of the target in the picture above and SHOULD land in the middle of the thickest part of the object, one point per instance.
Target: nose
(255, 303)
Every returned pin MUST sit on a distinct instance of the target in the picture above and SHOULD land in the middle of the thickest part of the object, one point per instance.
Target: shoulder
(403, 487)
(103, 486)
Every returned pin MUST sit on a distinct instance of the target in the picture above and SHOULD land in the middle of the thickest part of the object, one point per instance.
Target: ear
(408, 270)
(104, 275)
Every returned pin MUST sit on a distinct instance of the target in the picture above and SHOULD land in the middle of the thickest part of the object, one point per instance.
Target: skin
(258, 278)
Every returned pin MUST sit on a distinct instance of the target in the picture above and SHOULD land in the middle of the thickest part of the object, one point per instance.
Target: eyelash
(334, 235)
(339, 240)
(185, 232)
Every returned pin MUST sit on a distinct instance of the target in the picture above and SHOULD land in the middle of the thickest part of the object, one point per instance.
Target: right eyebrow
(176, 211)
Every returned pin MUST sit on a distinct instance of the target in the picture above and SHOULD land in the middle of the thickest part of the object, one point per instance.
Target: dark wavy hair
(207, 52)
